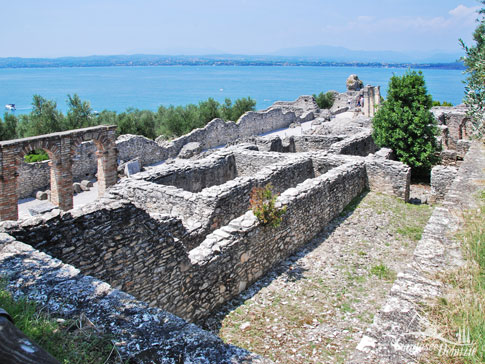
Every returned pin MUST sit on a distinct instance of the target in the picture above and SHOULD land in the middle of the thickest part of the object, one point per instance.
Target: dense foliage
(169, 121)
(475, 83)
(324, 100)
(404, 123)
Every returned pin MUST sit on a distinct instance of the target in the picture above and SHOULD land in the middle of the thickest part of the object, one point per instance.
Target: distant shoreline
(157, 61)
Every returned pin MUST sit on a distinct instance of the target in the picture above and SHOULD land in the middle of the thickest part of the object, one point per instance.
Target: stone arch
(60, 148)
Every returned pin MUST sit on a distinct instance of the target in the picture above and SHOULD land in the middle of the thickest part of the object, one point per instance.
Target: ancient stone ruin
(60, 147)
(176, 241)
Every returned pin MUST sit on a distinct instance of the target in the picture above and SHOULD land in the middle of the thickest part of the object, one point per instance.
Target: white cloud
(365, 18)
(461, 11)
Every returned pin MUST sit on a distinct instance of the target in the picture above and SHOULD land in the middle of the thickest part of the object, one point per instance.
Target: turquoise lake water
(118, 88)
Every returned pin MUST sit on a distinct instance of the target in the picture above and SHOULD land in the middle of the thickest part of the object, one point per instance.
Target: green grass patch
(382, 271)
(70, 341)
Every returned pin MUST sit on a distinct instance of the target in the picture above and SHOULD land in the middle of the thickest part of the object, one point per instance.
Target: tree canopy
(169, 121)
(405, 124)
(474, 60)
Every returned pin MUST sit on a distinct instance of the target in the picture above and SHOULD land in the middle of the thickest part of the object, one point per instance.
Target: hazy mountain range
(309, 56)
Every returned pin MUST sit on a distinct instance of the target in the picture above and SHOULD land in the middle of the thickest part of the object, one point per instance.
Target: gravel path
(314, 307)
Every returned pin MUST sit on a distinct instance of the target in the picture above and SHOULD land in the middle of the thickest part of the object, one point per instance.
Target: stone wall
(220, 201)
(134, 249)
(113, 241)
(306, 143)
(139, 147)
(441, 179)
(218, 132)
(142, 335)
(389, 177)
(455, 125)
(360, 144)
(193, 176)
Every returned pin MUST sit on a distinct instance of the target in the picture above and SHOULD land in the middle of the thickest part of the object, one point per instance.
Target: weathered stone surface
(189, 150)
(390, 177)
(41, 195)
(41, 209)
(457, 123)
(86, 185)
(76, 187)
(145, 150)
(132, 167)
(141, 334)
(441, 180)
(353, 83)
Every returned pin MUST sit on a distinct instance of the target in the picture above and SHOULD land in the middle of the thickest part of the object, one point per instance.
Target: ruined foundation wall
(143, 335)
(233, 257)
(117, 242)
(388, 177)
(218, 132)
(113, 241)
(306, 143)
(360, 144)
(215, 206)
(194, 176)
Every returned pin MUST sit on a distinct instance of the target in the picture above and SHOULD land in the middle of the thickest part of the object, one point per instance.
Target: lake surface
(118, 88)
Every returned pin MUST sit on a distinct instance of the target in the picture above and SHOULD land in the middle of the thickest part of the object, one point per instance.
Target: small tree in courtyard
(475, 83)
(405, 124)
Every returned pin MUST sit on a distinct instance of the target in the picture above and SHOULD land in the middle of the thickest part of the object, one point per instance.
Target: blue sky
(52, 28)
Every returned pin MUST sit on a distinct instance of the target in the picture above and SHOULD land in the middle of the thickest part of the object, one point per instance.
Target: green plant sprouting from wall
(263, 205)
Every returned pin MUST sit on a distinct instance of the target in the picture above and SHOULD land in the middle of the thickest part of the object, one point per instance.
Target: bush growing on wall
(405, 124)
(324, 100)
(263, 202)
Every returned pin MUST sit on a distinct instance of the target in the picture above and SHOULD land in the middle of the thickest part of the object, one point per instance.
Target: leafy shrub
(444, 103)
(324, 100)
(405, 124)
(36, 156)
(263, 206)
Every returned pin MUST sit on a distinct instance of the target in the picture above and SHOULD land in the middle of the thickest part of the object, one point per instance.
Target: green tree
(43, 119)
(209, 110)
(404, 123)
(242, 106)
(80, 114)
(8, 127)
(324, 100)
(475, 83)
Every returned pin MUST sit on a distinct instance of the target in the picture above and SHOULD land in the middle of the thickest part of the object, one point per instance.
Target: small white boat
(10, 107)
